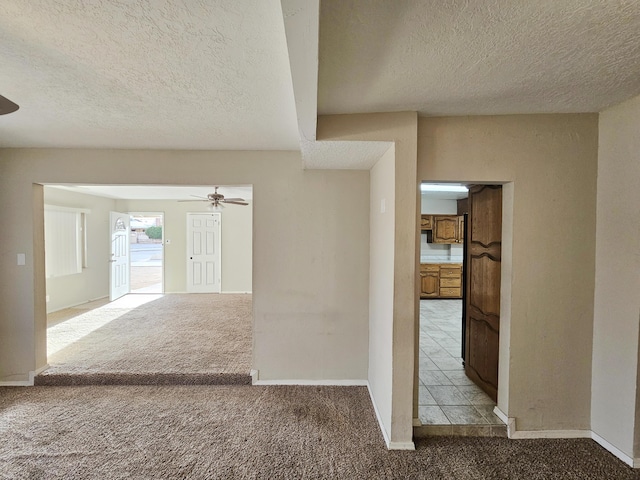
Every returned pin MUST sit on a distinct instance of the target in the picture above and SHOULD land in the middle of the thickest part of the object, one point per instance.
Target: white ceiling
(253, 75)
(477, 57)
(158, 192)
(146, 74)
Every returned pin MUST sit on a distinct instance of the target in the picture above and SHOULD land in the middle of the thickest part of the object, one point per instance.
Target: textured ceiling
(197, 74)
(469, 57)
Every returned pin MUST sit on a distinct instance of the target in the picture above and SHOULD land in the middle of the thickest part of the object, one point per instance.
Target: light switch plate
(22, 259)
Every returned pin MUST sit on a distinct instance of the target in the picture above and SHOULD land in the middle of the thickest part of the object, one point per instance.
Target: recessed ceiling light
(442, 187)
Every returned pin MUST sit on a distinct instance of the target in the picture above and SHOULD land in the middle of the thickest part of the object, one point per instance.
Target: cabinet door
(426, 222)
(430, 284)
(461, 229)
(446, 229)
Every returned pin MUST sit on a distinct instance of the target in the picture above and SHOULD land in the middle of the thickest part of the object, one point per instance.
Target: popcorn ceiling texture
(477, 57)
(146, 74)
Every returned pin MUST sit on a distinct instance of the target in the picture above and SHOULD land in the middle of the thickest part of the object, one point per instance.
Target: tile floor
(446, 395)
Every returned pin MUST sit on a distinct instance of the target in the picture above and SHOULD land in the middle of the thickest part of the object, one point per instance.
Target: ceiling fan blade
(235, 203)
(199, 200)
(234, 199)
(7, 106)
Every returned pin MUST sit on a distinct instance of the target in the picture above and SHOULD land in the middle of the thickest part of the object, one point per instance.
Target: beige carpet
(152, 339)
(227, 432)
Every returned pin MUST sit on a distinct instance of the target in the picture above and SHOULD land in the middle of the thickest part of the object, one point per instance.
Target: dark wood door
(482, 323)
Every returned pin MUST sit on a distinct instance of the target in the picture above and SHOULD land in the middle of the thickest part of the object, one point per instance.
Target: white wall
(310, 255)
(236, 241)
(382, 189)
(93, 282)
(614, 395)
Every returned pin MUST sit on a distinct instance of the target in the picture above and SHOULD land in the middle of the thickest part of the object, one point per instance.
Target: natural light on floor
(63, 334)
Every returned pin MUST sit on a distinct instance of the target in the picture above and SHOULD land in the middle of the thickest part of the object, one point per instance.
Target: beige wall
(617, 288)
(236, 241)
(310, 256)
(93, 282)
(552, 161)
(401, 128)
(382, 189)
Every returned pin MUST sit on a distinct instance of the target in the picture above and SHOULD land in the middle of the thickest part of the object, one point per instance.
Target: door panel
(119, 284)
(482, 308)
(203, 253)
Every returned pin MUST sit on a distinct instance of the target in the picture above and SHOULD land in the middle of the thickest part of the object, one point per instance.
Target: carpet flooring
(274, 432)
(152, 339)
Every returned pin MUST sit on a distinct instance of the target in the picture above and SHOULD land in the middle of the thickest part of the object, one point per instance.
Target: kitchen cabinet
(446, 229)
(429, 281)
(442, 280)
(426, 222)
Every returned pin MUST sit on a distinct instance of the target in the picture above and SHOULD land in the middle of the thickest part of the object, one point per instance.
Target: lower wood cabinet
(440, 280)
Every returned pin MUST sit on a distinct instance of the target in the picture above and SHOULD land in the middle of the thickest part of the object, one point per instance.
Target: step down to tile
(460, 431)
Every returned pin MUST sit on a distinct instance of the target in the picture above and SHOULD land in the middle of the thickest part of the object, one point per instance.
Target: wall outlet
(47, 298)
(22, 259)
(383, 205)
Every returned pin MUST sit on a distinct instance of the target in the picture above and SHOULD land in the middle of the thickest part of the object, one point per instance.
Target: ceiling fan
(217, 199)
(7, 106)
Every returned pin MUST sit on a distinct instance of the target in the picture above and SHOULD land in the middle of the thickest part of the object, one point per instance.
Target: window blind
(63, 241)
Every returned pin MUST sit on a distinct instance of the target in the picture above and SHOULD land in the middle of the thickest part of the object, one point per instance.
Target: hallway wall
(552, 162)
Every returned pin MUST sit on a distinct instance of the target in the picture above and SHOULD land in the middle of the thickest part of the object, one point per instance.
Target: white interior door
(203, 253)
(119, 284)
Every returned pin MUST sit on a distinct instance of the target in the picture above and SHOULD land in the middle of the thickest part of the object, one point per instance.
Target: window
(64, 240)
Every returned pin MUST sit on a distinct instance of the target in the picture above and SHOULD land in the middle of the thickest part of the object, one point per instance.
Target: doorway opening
(450, 393)
(91, 339)
(146, 245)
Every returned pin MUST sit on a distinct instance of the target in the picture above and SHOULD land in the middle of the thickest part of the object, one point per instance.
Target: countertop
(439, 259)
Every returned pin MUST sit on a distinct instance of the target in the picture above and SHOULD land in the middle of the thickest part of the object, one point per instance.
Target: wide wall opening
(119, 307)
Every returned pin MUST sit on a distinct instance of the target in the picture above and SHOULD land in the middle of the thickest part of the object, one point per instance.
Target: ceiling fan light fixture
(7, 106)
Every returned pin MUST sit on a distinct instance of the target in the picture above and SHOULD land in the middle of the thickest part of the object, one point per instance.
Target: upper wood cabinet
(446, 229)
(426, 222)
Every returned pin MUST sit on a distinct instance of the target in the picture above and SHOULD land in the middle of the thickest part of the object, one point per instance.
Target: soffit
(477, 57)
(144, 74)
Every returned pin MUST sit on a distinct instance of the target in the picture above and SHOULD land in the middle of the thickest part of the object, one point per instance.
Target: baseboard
(632, 462)
(347, 383)
(375, 409)
(523, 434)
(74, 305)
(233, 291)
(390, 445)
(24, 383)
(513, 433)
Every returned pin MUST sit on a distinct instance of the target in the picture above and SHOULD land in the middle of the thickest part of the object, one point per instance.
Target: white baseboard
(513, 433)
(24, 383)
(233, 291)
(390, 445)
(401, 446)
(348, 383)
(522, 434)
(375, 409)
(632, 462)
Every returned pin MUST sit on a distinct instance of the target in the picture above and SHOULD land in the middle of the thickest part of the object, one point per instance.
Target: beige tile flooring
(446, 395)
